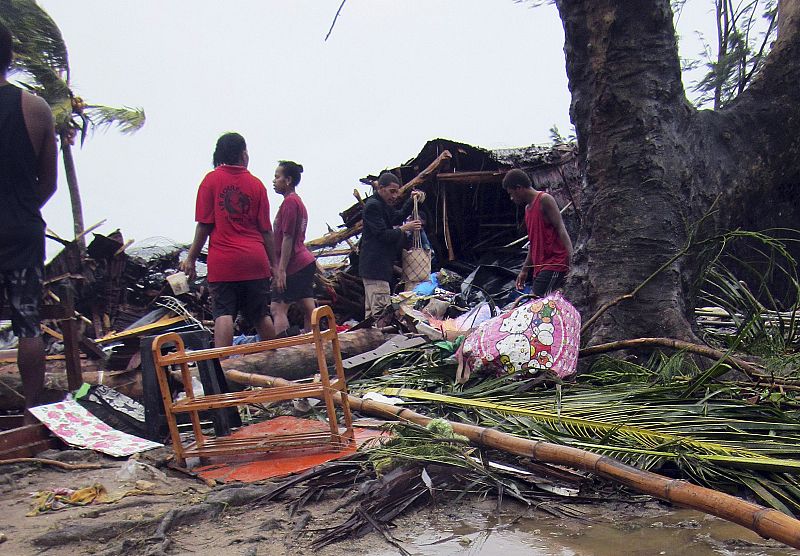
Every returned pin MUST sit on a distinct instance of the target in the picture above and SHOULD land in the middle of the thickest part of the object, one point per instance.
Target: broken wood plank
(26, 442)
(332, 239)
(471, 178)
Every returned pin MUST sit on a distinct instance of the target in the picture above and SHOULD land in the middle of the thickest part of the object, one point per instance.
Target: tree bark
(654, 166)
(297, 362)
(74, 191)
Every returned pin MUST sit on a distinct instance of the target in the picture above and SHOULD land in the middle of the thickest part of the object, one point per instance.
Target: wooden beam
(471, 178)
(334, 238)
(423, 176)
(25, 442)
(334, 253)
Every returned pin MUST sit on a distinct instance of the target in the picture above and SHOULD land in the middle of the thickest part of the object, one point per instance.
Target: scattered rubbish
(113, 408)
(59, 498)
(393, 345)
(375, 396)
(179, 283)
(133, 471)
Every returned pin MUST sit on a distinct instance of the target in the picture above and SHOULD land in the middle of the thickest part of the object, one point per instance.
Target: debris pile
(470, 222)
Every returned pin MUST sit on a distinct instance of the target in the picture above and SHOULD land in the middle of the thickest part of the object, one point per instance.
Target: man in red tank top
(550, 250)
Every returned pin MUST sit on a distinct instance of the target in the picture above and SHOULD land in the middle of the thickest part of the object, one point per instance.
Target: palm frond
(715, 439)
(125, 119)
(37, 38)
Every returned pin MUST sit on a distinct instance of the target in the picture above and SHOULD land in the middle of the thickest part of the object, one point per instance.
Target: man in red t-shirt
(296, 268)
(550, 250)
(232, 208)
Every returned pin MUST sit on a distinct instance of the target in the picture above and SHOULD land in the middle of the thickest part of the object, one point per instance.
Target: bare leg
(280, 316)
(266, 329)
(308, 305)
(223, 331)
(30, 360)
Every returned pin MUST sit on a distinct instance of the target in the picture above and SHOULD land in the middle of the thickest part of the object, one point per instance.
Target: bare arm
(553, 216)
(526, 270)
(41, 130)
(201, 233)
(287, 247)
(269, 245)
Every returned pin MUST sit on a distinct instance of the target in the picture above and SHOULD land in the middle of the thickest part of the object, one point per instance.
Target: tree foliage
(41, 64)
(745, 31)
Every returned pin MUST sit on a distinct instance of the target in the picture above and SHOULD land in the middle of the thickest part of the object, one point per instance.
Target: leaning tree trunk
(655, 166)
(74, 192)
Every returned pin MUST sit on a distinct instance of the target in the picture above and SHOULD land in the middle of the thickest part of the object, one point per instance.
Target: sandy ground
(237, 526)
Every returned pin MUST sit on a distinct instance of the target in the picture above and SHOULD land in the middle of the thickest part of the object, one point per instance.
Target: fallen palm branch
(705, 351)
(766, 522)
(646, 416)
(412, 467)
(663, 444)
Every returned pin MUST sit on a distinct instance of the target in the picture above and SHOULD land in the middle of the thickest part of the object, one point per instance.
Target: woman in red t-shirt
(296, 266)
(233, 211)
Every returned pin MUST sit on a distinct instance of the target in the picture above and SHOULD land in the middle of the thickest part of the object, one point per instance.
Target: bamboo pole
(766, 522)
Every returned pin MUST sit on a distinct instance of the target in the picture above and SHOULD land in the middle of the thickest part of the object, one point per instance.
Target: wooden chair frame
(204, 446)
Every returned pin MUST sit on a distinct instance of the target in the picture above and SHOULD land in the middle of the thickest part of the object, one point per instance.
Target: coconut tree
(42, 63)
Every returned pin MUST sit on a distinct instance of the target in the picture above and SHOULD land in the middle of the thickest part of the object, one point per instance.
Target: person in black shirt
(27, 181)
(381, 240)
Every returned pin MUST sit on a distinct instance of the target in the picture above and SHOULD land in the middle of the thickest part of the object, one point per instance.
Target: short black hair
(6, 48)
(387, 178)
(291, 170)
(516, 178)
(229, 149)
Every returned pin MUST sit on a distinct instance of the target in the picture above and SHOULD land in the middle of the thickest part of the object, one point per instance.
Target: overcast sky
(394, 74)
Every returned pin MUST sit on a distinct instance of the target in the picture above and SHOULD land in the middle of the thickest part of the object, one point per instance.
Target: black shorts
(299, 285)
(547, 281)
(23, 292)
(250, 297)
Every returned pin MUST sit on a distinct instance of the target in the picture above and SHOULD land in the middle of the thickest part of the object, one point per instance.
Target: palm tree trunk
(74, 192)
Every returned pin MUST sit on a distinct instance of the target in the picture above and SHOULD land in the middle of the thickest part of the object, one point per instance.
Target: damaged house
(470, 219)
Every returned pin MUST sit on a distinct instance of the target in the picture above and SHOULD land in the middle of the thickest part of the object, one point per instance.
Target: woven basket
(416, 265)
(416, 261)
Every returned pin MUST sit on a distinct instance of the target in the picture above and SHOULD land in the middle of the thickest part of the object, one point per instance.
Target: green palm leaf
(125, 119)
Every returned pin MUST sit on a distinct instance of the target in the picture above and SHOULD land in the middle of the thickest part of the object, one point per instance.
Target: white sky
(394, 74)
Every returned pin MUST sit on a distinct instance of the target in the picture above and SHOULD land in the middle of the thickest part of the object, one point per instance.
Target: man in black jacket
(381, 241)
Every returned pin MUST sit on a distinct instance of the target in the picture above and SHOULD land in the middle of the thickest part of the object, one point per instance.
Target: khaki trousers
(376, 296)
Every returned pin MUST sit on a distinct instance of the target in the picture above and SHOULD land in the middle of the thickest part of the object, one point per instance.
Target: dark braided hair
(229, 149)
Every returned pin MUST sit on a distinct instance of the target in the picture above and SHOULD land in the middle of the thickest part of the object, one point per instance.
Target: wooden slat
(27, 441)
(232, 399)
(267, 443)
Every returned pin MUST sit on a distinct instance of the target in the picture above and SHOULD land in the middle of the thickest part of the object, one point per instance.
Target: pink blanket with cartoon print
(542, 335)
